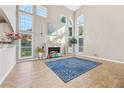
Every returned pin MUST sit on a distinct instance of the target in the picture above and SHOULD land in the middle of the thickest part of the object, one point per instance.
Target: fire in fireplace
(53, 52)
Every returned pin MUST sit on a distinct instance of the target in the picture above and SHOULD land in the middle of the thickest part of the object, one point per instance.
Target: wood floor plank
(35, 74)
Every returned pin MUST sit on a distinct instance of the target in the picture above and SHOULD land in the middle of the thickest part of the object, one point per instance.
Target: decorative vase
(40, 55)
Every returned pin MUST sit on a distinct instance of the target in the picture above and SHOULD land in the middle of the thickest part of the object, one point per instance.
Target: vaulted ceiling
(73, 7)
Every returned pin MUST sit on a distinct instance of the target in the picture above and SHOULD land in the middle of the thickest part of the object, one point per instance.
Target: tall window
(80, 20)
(41, 11)
(26, 8)
(25, 27)
(80, 25)
(69, 25)
(25, 22)
(70, 21)
(26, 45)
(70, 31)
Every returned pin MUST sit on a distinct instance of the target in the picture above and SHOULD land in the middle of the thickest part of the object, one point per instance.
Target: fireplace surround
(54, 52)
(56, 49)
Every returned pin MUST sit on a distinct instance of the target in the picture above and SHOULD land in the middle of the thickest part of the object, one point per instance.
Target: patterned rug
(70, 68)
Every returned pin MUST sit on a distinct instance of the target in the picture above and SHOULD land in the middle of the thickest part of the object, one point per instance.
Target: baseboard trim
(99, 58)
(6, 74)
(23, 60)
(31, 59)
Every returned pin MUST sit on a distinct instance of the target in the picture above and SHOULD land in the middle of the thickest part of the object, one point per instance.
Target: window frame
(80, 36)
(78, 20)
(70, 47)
(69, 31)
(69, 18)
(43, 8)
(19, 10)
(25, 32)
(20, 57)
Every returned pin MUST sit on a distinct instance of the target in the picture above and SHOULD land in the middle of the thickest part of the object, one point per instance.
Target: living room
(50, 28)
(40, 39)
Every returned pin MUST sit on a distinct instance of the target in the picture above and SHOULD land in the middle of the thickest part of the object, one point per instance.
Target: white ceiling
(72, 7)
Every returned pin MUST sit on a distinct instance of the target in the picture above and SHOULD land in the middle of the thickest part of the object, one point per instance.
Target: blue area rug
(70, 68)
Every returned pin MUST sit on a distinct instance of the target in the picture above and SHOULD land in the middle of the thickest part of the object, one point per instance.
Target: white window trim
(20, 57)
(78, 30)
(41, 7)
(69, 18)
(24, 32)
(77, 19)
(81, 36)
(19, 10)
(68, 32)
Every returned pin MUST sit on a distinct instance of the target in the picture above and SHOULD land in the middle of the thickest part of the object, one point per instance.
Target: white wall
(7, 55)
(40, 24)
(104, 31)
(10, 11)
(7, 61)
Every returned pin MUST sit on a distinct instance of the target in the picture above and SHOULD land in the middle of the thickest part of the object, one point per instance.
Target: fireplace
(56, 49)
(54, 52)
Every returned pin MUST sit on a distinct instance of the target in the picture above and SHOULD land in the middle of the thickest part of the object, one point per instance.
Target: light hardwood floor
(35, 74)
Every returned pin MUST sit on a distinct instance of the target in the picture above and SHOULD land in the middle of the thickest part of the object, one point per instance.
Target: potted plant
(73, 41)
(40, 52)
